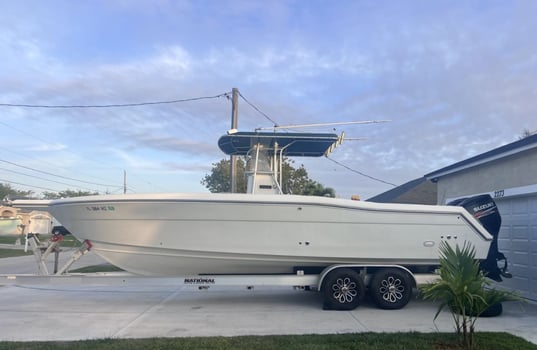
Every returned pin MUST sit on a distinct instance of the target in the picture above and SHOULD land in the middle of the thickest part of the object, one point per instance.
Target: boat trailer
(342, 286)
(42, 250)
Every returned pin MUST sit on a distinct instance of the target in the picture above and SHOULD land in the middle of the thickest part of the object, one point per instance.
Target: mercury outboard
(484, 209)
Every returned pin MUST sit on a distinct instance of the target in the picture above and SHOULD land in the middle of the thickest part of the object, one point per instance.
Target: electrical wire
(53, 165)
(360, 173)
(118, 105)
(18, 183)
(24, 132)
(60, 176)
(226, 94)
(258, 110)
(42, 178)
(338, 163)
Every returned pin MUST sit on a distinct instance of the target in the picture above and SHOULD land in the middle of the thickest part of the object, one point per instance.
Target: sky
(455, 79)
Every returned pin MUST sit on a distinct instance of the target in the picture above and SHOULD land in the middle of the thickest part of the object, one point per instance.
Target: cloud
(195, 168)
(180, 143)
(134, 162)
(47, 147)
(455, 80)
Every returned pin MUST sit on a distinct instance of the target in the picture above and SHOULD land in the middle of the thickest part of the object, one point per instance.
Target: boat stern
(485, 210)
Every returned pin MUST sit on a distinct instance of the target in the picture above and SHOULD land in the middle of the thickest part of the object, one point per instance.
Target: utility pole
(234, 125)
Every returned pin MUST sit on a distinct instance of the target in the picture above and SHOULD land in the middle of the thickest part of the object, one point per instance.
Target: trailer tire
(342, 289)
(391, 288)
(491, 311)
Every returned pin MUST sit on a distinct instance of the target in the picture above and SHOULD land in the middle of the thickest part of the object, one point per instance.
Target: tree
(316, 189)
(67, 194)
(526, 133)
(294, 181)
(219, 179)
(7, 191)
(461, 288)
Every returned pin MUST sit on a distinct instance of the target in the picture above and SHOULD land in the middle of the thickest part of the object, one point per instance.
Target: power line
(226, 94)
(338, 163)
(118, 105)
(60, 176)
(18, 183)
(24, 132)
(44, 179)
(48, 164)
(360, 173)
(257, 109)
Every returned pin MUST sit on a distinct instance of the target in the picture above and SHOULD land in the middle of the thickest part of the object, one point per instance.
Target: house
(509, 174)
(418, 191)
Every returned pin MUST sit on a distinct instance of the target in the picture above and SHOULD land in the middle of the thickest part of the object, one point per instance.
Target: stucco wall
(514, 171)
(513, 182)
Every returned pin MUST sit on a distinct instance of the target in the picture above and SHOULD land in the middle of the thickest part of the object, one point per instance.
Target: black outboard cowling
(484, 209)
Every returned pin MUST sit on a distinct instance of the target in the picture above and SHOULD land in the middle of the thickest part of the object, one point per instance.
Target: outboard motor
(484, 209)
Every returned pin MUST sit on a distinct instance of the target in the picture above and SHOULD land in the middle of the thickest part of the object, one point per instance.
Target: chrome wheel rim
(392, 289)
(344, 290)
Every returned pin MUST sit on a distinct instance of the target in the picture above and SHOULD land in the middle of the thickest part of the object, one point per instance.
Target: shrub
(464, 290)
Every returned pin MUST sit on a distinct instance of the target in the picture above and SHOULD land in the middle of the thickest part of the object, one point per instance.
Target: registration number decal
(101, 208)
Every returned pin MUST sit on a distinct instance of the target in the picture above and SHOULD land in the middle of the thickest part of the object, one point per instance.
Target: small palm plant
(461, 288)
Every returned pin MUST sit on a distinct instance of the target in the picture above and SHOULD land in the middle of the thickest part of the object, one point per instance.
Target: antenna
(293, 126)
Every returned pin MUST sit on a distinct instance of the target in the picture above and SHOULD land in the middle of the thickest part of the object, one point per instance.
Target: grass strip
(97, 268)
(358, 341)
(67, 242)
(12, 253)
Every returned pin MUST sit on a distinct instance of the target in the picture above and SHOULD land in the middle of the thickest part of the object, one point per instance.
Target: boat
(267, 232)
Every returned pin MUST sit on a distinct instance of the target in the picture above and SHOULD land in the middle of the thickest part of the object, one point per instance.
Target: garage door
(518, 240)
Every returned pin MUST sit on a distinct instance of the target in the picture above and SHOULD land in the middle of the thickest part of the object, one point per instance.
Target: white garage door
(518, 240)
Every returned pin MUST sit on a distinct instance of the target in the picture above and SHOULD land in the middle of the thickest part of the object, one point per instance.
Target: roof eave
(466, 164)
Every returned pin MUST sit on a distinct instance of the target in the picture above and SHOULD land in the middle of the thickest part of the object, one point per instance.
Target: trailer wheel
(343, 289)
(492, 311)
(391, 288)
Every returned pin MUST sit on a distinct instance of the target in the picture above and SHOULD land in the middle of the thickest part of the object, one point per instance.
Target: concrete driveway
(75, 312)
(28, 265)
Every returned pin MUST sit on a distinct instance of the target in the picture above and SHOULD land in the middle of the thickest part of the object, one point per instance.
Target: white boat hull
(189, 234)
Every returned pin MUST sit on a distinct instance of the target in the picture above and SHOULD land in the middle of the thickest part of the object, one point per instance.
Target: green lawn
(359, 341)
(10, 253)
(9, 239)
(97, 268)
(68, 242)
